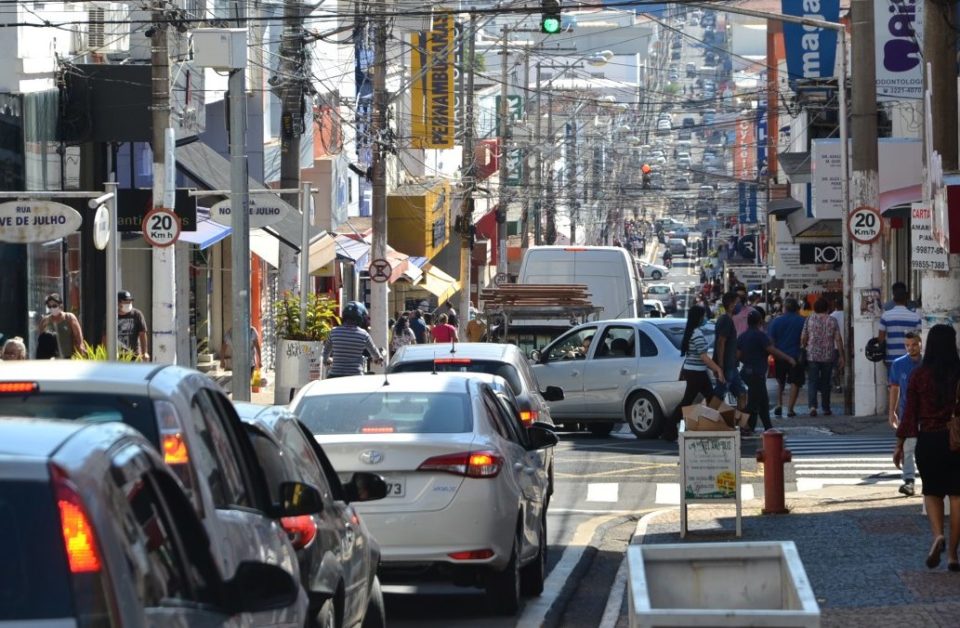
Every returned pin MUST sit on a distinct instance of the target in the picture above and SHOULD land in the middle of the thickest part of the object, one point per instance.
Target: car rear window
(387, 413)
(464, 365)
(135, 411)
(34, 580)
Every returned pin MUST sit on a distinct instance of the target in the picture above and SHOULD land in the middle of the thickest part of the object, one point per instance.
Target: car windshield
(659, 290)
(386, 413)
(464, 365)
(674, 332)
(135, 411)
(34, 580)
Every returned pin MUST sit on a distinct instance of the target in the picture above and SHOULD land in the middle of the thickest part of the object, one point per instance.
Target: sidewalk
(863, 550)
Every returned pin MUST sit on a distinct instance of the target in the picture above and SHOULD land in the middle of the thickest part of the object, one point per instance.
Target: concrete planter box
(720, 584)
(298, 362)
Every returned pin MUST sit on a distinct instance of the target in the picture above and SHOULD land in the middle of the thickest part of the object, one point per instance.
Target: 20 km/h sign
(161, 227)
(864, 224)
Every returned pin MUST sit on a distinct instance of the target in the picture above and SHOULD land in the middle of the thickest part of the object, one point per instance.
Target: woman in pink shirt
(443, 331)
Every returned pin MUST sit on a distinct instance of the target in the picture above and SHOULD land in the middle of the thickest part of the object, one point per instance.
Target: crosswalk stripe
(603, 492)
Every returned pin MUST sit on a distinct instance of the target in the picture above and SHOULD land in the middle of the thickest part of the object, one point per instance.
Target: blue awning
(207, 233)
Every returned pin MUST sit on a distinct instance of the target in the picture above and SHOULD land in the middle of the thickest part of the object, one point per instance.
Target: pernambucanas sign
(431, 94)
(29, 221)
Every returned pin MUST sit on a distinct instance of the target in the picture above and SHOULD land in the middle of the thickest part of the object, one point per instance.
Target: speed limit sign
(161, 227)
(864, 224)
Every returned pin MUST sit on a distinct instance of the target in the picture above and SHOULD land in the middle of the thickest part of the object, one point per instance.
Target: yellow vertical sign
(440, 82)
(418, 122)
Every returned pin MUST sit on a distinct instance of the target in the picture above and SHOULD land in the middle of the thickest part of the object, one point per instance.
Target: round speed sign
(864, 224)
(161, 227)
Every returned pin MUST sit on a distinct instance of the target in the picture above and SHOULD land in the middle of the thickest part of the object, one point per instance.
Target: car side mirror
(365, 487)
(297, 498)
(258, 587)
(553, 393)
(536, 356)
(540, 438)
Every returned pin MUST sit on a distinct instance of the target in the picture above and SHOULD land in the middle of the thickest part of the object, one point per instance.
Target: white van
(608, 272)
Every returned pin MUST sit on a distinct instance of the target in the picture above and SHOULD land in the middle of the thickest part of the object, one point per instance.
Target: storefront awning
(207, 232)
(323, 250)
(211, 171)
(783, 207)
(439, 283)
(265, 246)
(796, 166)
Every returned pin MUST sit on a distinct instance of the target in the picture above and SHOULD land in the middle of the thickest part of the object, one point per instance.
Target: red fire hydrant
(773, 456)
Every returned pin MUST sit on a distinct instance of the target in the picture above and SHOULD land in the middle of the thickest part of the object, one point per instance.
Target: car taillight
(18, 388)
(378, 427)
(453, 361)
(174, 449)
(529, 416)
(78, 534)
(302, 530)
(471, 464)
(173, 445)
(472, 554)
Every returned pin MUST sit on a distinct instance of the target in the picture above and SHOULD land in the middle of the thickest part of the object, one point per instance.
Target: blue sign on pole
(761, 138)
(752, 204)
(811, 52)
(742, 203)
(747, 203)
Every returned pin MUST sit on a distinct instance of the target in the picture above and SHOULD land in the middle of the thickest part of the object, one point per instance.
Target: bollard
(773, 456)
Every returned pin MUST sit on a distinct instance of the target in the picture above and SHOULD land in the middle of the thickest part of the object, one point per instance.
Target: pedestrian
(343, 351)
(131, 327)
(891, 303)
(753, 347)
(48, 346)
(725, 352)
(476, 328)
(931, 400)
(452, 317)
(895, 323)
(418, 326)
(14, 349)
(63, 325)
(899, 379)
(785, 332)
(444, 331)
(693, 347)
(821, 339)
(226, 350)
(402, 334)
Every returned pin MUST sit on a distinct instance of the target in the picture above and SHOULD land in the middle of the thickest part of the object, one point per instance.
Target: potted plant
(300, 337)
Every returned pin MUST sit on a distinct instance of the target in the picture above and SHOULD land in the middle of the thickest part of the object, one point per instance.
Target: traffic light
(550, 16)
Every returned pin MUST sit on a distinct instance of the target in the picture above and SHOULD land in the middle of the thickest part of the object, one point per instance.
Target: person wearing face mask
(131, 326)
(64, 325)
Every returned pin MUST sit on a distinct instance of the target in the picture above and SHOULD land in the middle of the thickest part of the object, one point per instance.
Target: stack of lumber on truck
(538, 301)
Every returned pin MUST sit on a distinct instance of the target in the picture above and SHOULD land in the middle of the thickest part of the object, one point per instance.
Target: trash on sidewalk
(700, 418)
(720, 584)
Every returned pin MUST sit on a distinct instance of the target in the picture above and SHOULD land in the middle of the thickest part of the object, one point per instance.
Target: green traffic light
(550, 25)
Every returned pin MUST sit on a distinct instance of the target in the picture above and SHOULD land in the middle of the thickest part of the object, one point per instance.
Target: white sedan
(654, 271)
(467, 488)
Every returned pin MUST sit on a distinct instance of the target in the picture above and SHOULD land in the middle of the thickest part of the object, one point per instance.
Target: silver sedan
(628, 371)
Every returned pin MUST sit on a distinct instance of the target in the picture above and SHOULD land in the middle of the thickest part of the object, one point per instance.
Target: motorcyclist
(667, 258)
(346, 344)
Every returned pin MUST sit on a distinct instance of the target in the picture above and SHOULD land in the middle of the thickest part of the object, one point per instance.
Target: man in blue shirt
(895, 323)
(785, 331)
(900, 371)
(753, 347)
(418, 326)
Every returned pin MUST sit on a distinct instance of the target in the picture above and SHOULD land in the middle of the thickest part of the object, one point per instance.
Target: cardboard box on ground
(715, 416)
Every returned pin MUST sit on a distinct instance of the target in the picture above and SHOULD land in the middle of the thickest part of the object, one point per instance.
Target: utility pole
(571, 158)
(290, 92)
(941, 290)
(378, 132)
(869, 386)
(503, 134)
(164, 258)
(550, 201)
(525, 151)
(538, 172)
(467, 181)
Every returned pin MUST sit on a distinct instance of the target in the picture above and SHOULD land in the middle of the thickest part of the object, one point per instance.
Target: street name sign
(264, 209)
(26, 221)
(161, 227)
(864, 224)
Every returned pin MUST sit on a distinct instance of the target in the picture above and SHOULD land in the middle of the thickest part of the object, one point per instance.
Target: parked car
(337, 554)
(467, 487)
(98, 532)
(677, 246)
(654, 271)
(654, 308)
(663, 292)
(681, 183)
(629, 374)
(186, 416)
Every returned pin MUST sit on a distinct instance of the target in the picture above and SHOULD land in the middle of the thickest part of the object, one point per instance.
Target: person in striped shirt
(895, 323)
(345, 346)
(696, 361)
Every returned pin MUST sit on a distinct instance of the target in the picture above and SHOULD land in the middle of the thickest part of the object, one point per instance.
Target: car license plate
(395, 487)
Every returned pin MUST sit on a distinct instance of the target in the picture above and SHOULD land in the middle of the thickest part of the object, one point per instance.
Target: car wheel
(644, 415)
(326, 617)
(600, 429)
(503, 587)
(657, 275)
(531, 576)
(376, 615)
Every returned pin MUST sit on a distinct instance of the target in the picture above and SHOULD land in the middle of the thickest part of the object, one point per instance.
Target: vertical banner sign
(898, 33)
(926, 253)
(744, 150)
(514, 157)
(418, 110)
(761, 135)
(741, 202)
(752, 204)
(459, 72)
(440, 82)
(811, 52)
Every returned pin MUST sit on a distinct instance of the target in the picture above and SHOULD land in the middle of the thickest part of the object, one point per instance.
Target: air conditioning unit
(107, 28)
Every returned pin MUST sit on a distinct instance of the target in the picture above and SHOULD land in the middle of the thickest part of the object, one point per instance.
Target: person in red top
(931, 400)
(444, 331)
